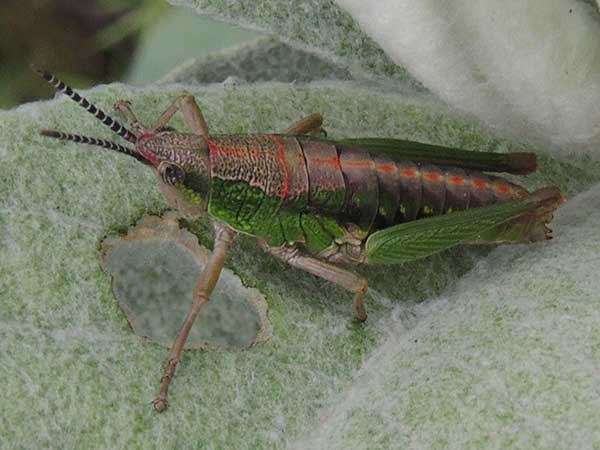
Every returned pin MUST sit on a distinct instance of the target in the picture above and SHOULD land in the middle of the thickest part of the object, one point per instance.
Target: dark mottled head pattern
(185, 150)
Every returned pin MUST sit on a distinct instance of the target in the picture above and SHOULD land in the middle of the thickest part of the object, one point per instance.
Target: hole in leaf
(154, 269)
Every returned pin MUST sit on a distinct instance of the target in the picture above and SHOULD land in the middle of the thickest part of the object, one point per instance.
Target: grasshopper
(315, 202)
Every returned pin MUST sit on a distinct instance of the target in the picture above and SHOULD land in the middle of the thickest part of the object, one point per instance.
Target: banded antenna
(93, 141)
(89, 107)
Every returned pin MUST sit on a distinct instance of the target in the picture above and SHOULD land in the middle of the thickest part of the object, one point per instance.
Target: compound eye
(171, 173)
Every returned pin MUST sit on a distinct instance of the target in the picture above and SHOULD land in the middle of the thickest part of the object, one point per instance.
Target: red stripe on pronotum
(504, 189)
(456, 179)
(212, 147)
(286, 185)
(479, 184)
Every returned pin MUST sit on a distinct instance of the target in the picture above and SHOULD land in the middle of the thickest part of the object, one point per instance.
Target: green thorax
(259, 186)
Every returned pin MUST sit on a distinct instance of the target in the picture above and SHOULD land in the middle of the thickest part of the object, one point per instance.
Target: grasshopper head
(181, 161)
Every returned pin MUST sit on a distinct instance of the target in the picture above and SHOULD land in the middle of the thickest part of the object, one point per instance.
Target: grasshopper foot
(124, 107)
(160, 404)
(358, 303)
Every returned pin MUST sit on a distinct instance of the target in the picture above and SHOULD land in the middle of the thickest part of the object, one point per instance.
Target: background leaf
(70, 362)
(472, 348)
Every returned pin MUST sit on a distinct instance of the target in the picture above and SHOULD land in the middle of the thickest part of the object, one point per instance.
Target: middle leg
(124, 107)
(344, 278)
(204, 287)
(311, 125)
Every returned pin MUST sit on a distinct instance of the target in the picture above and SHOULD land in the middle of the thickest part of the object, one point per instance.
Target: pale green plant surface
(316, 24)
(506, 358)
(262, 59)
(472, 348)
(178, 36)
(526, 69)
(513, 347)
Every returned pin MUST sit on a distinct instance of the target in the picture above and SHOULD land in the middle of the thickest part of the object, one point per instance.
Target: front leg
(124, 107)
(191, 113)
(185, 103)
(224, 236)
(344, 278)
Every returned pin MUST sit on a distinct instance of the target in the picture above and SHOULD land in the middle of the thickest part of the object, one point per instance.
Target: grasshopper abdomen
(290, 189)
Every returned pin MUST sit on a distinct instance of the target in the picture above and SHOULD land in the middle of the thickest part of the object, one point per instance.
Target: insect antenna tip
(41, 72)
(50, 133)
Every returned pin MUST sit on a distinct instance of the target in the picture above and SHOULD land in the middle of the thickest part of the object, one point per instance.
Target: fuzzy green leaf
(514, 348)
